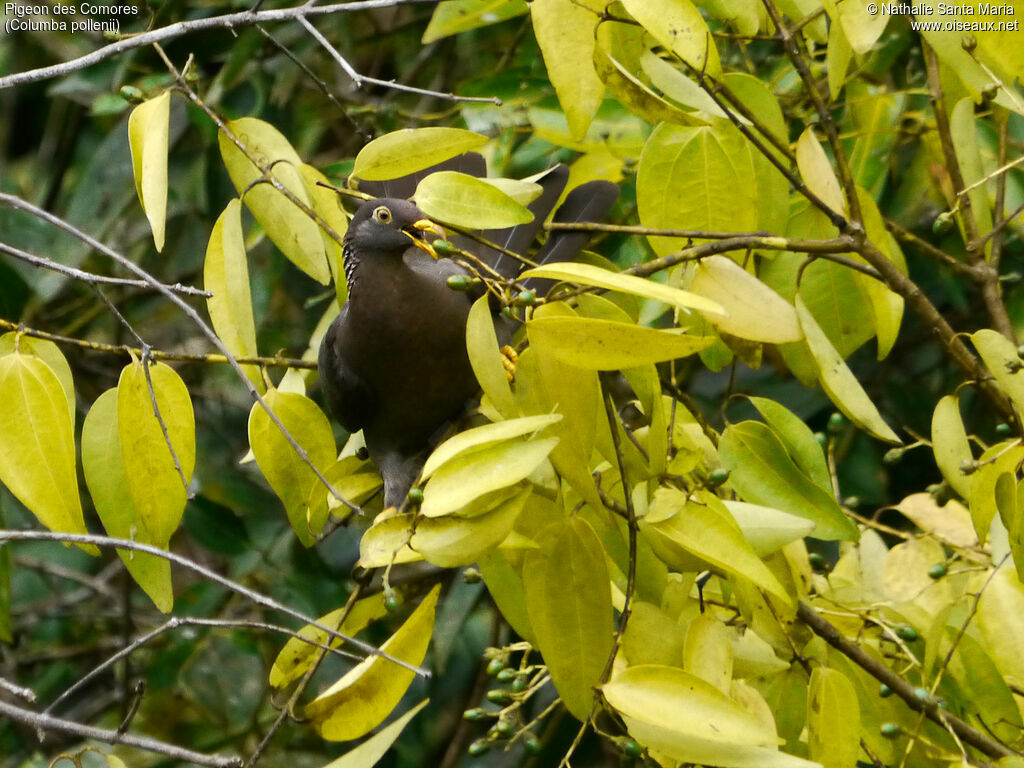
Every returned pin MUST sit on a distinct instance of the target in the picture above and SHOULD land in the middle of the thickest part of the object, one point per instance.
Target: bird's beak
(426, 225)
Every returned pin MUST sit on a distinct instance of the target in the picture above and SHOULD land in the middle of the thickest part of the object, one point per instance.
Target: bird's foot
(509, 358)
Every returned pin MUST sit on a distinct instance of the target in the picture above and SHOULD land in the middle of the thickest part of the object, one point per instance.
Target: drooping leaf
(1001, 618)
(359, 701)
(679, 26)
(37, 444)
(462, 200)
(109, 485)
(373, 749)
(148, 130)
(993, 463)
(570, 608)
(288, 226)
(1000, 357)
(50, 354)
(157, 479)
(484, 356)
(862, 27)
(817, 173)
(707, 653)
(963, 132)
(768, 530)
(452, 541)
(833, 719)
(289, 476)
(453, 16)
(798, 439)
(327, 204)
(486, 435)
(387, 542)
(409, 150)
(949, 442)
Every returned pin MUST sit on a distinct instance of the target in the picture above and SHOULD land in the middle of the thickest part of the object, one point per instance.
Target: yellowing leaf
(707, 653)
(838, 381)
(484, 356)
(409, 150)
(766, 529)
(678, 25)
(817, 173)
(1000, 458)
(605, 345)
(366, 694)
(565, 34)
(289, 476)
(226, 276)
(463, 200)
(453, 16)
(862, 28)
(833, 719)
(387, 542)
(37, 444)
(951, 522)
(1003, 362)
(148, 129)
(108, 485)
(288, 226)
(1001, 620)
(587, 274)
(50, 354)
(157, 488)
(485, 435)
(474, 473)
(296, 656)
(949, 442)
(753, 310)
(569, 603)
(452, 541)
(327, 203)
(373, 749)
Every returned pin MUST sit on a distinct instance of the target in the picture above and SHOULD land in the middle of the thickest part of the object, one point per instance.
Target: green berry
(494, 666)
(504, 728)
(630, 748)
(718, 477)
(479, 747)
(526, 299)
(816, 560)
(392, 603)
(892, 456)
(519, 684)
(444, 248)
(884, 691)
(943, 223)
(907, 633)
(499, 696)
(836, 423)
(921, 694)
(131, 94)
(821, 438)
(531, 744)
(474, 715)
(506, 675)
(1003, 429)
(937, 571)
(459, 282)
(889, 730)
(415, 497)
(851, 502)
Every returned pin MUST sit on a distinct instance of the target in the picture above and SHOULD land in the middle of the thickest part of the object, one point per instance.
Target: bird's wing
(348, 397)
(471, 163)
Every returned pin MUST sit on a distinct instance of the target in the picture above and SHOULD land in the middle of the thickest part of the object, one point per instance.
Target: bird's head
(390, 225)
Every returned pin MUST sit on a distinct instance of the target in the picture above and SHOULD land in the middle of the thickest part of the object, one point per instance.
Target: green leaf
(109, 486)
(570, 608)
(838, 381)
(816, 171)
(833, 719)
(1001, 620)
(297, 656)
(766, 529)
(409, 150)
(37, 444)
(695, 178)
(366, 694)
(862, 28)
(949, 442)
(148, 129)
(753, 310)
(678, 87)
(453, 16)
(505, 584)
(464, 201)
(605, 345)
(679, 26)
(486, 435)
(837, 60)
(327, 204)
(288, 226)
(706, 531)
(289, 476)
(474, 473)
(762, 472)
(798, 440)
(1000, 357)
(157, 489)
(50, 354)
(226, 276)
(373, 749)
(450, 542)
(587, 274)
(993, 463)
(565, 33)
(485, 357)
(886, 305)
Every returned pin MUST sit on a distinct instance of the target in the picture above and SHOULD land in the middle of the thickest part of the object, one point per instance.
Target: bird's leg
(509, 358)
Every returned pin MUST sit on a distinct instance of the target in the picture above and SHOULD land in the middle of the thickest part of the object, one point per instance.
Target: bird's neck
(350, 263)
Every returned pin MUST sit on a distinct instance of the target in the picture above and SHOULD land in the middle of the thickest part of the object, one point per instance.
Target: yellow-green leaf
(964, 133)
(837, 60)
(291, 229)
(816, 171)
(465, 201)
(289, 476)
(587, 274)
(753, 310)
(484, 356)
(486, 435)
(569, 602)
(148, 130)
(157, 488)
(366, 694)
(707, 653)
(409, 150)
(37, 444)
(50, 354)
(296, 656)
(565, 33)
(226, 276)
(862, 28)
(327, 203)
(838, 380)
(1003, 362)
(453, 16)
(767, 529)
(387, 542)
(450, 542)
(833, 719)
(108, 485)
(678, 25)
(474, 473)
(798, 439)
(606, 345)
(999, 458)
(373, 749)
(949, 442)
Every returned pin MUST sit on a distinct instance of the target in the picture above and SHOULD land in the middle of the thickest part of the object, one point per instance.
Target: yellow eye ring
(382, 214)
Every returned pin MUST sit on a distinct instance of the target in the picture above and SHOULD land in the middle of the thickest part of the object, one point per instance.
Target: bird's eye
(382, 214)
